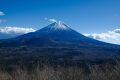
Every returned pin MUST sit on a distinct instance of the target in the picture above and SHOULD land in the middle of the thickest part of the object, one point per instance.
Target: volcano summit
(55, 34)
(59, 39)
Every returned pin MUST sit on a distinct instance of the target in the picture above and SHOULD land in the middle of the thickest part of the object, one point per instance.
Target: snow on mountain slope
(59, 26)
(55, 34)
(59, 39)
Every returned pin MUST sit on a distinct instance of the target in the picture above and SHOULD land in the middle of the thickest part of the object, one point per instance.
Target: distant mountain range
(60, 39)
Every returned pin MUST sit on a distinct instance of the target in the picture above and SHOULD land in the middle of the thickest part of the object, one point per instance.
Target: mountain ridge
(57, 33)
(59, 42)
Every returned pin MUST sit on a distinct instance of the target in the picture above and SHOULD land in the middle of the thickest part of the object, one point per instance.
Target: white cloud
(2, 20)
(110, 36)
(2, 13)
(51, 20)
(15, 30)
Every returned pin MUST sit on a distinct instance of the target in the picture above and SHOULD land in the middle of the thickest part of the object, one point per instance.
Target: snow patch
(57, 25)
(60, 25)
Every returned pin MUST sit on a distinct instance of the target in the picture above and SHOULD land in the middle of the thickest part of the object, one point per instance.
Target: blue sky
(85, 16)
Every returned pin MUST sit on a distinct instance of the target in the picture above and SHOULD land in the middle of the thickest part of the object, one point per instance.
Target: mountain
(59, 40)
(54, 34)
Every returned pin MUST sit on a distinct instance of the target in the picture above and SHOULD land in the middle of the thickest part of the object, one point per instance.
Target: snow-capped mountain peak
(59, 26)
